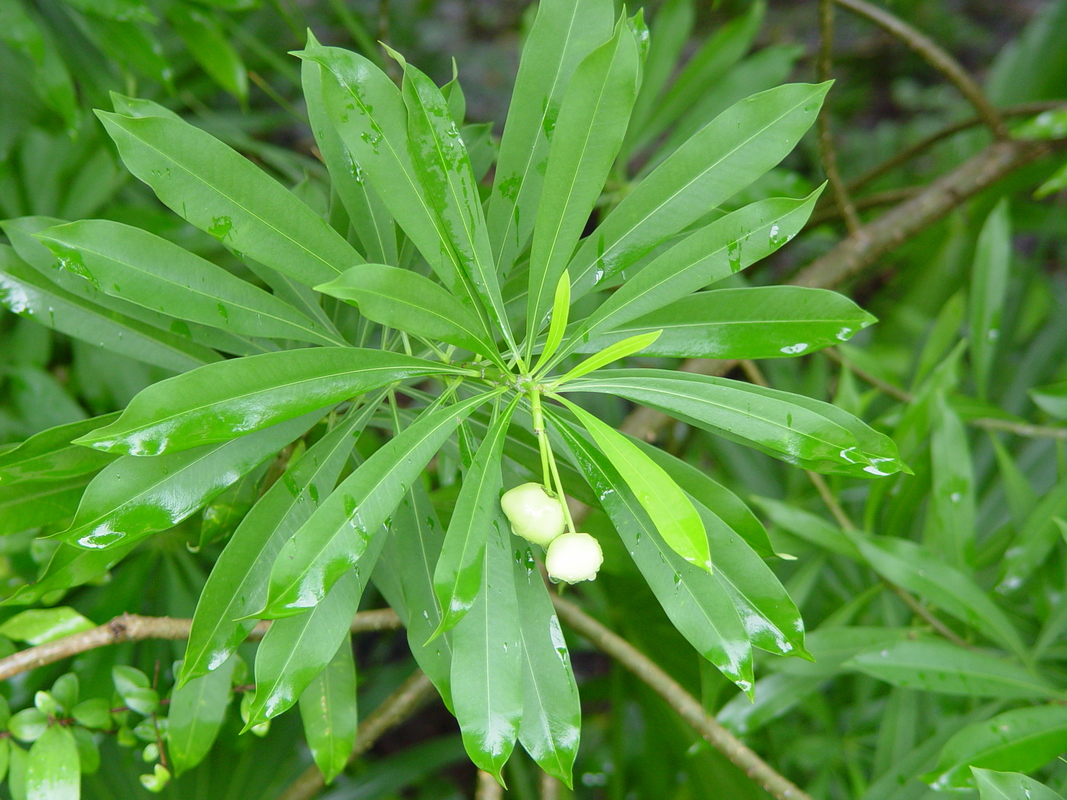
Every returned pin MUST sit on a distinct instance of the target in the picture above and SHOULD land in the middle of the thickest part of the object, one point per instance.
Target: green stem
(559, 490)
(539, 432)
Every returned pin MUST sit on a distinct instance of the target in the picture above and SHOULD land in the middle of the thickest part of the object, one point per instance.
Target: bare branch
(826, 136)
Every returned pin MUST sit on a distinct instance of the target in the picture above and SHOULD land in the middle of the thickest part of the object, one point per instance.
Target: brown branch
(886, 198)
(936, 57)
(826, 136)
(135, 628)
(687, 706)
(397, 707)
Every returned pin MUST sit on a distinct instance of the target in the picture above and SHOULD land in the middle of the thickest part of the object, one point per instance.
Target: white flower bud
(574, 557)
(533, 513)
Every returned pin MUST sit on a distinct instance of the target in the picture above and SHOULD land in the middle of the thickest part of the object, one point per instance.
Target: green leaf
(610, 353)
(237, 586)
(122, 10)
(145, 269)
(133, 687)
(28, 725)
(221, 192)
(561, 307)
(221, 401)
(953, 517)
(34, 503)
(404, 576)
(24, 32)
(989, 284)
(328, 711)
(725, 156)
(674, 516)
(1010, 786)
(551, 710)
(52, 767)
(335, 537)
(297, 649)
(757, 322)
(40, 625)
(487, 659)
(23, 291)
(458, 576)
(588, 133)
(447, 180)
(671, 27)
(135, 497)
(195, 716)
(1021, 740)
(794, 428)
(1036, 537)
(924, 573)
(936, 666)
(70, 566)
(93, 713)
(705, 256)
(697, 603)
(563, 33)
(211, 47)
(1052, 399)
(50, 455)
(408, 301)
(369, 217)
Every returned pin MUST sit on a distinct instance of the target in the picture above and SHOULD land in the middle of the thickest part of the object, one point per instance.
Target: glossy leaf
(697, 603)
(195, 715)
(1010, 786)
(487, 659)
(135, 265)
(328, 711)
(134, 498)
(458, 576)
(587, 136)
(726, 155)
(404, 576)
(237, 585)
(989, 284)
(238, 397)
(221, 192)
(50, 455)
(23, 291)
(757, 322)
(561, 307)
(551, 710)
(610, 353)
(52, 766)
(945, 668)
(35, 503)
(674, 516)
(408, 301)
(791, 427)
(563, 33)
(69, 566)
(207, 43)
(40, 625)
(1021, 740)
(334, 538)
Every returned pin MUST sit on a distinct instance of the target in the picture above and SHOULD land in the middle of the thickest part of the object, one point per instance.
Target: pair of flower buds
(537, 516)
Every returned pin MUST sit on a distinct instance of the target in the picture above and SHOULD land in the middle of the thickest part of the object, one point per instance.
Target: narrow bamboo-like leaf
(487, 659)
(1017, 489)
(1021, 740)
(666, 505)
(589, 131)
(791, 427)
(551, 710)
(922, 572)
(236, 397)
(1034, 541)
(297, 649)
(696, 602)
(670, 29)
(207, 43)
(195, 715)
(561, 307)
(404, 576)
(726, 155)
(1010, 786)
(52, 771)
(237, 585)
(26, 33)
(328, 711)
(613, 352)
(145, 269)
(1052, 399)
(705, 256)
(945, 668)
(221, 192)
(134, 497)
(757, 322)
(366, 211)
(334, 538)
(444, 169)
(23, 291)
(953, 519)
(458, 576)
(989, 283)
(50, 454)
(563, 33)
(408, 301)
